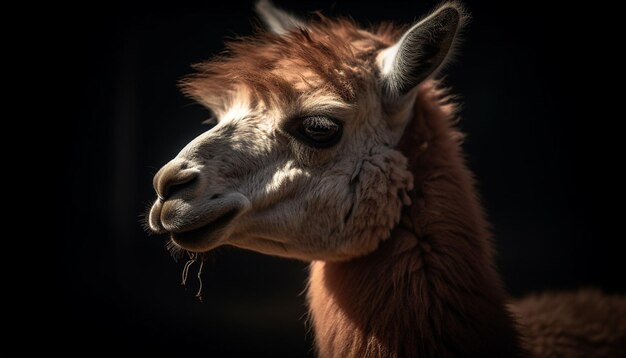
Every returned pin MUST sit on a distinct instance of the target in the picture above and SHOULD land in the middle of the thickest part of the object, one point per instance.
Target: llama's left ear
(278, 21)
(421, 51)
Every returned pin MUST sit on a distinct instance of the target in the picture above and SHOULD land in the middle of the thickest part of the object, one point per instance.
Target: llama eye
(320, 131)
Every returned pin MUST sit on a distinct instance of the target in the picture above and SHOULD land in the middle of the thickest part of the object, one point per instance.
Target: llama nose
(173, 177)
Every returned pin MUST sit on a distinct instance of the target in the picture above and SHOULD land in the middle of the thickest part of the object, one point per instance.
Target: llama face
(301, 162)
(290, 178)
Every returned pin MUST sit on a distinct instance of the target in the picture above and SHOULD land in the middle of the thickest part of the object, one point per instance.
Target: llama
(336, 145)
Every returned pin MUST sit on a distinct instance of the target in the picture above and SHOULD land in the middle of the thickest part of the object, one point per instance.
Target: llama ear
(276, 20)
(421, 51)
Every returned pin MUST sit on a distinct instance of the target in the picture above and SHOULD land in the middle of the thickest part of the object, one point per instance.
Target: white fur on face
(307, 203)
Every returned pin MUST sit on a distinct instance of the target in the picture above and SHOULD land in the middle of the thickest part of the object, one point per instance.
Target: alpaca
(336, 145)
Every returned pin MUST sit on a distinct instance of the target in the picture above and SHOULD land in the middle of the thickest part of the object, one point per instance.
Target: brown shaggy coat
(431, 290)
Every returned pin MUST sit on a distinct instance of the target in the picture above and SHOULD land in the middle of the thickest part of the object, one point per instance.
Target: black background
(520, 75)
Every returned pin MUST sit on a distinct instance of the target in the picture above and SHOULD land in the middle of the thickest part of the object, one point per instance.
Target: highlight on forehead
(331, 55)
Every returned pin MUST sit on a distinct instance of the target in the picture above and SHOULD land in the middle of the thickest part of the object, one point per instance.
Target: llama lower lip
(198, 238)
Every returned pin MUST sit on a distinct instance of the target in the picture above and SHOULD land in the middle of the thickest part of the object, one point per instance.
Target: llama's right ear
(421, 51)
(278, 21)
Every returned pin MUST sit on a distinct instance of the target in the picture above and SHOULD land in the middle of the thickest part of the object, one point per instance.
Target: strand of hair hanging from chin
(193, 258)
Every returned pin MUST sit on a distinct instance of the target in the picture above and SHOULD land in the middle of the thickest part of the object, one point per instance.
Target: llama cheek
(379, 196)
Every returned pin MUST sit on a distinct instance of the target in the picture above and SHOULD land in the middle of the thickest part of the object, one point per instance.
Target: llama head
(301, 160)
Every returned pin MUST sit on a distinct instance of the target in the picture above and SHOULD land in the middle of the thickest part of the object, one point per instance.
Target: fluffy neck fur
(430, 290)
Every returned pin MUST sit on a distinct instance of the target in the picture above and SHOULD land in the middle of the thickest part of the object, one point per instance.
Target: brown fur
(334, 54)
(430, 289)
(585, 324)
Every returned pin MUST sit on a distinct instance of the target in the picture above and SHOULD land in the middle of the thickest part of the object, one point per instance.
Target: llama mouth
(202, 238)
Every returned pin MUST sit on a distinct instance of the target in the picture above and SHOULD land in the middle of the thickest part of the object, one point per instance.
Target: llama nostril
(174, 187)
(172, 178)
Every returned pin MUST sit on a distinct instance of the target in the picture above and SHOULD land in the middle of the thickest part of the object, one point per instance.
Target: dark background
(519, 77)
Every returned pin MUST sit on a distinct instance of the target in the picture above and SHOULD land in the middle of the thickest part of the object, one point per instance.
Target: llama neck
(430, 289)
